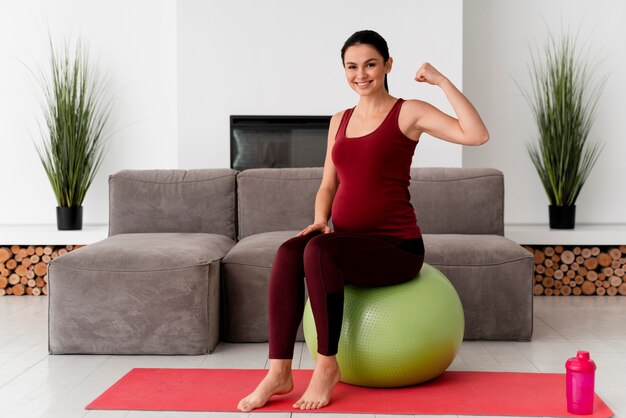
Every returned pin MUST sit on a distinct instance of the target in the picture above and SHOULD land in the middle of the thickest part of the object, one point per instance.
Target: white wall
(136, 42)
(282, 57)
(497, 37)
(181, 67)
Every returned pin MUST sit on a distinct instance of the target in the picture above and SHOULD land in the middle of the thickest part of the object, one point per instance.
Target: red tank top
(374, 176)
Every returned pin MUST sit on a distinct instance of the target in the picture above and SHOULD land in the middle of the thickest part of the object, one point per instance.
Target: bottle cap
(580, 363)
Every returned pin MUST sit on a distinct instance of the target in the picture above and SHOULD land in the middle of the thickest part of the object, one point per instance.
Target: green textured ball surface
(397, 335)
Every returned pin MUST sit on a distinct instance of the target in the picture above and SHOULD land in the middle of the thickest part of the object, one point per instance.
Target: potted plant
(563, 102)
(76, 114)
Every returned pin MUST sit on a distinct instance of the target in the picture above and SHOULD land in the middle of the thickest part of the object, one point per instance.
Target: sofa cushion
(455, 200)
(191, 201)
(276, 199)
(472, 250)
(148, 252)
(258, 250)
(493, 277)
(137, 294)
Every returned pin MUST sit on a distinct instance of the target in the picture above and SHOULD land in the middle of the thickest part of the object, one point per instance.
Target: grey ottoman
(141, 293)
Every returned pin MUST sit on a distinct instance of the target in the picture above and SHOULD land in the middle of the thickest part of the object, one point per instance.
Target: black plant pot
(562, 217)
(69, 219)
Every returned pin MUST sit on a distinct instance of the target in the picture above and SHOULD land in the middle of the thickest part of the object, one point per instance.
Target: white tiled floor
(35, 384)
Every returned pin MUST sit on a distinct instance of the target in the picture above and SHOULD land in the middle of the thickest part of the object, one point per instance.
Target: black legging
(328, 261)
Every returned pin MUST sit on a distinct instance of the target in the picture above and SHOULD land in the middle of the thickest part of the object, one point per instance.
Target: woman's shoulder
(336, 118)
(414, 104)
(339, 114)
(335, 121)
(413, 109)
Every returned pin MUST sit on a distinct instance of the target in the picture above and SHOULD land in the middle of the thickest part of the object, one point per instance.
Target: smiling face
(365, 69)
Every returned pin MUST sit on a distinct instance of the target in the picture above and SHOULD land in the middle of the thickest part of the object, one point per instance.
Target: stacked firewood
(24, 270)
(577, 270)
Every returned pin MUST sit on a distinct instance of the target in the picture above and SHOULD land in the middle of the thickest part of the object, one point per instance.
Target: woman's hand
(429, 74)
(324, 228)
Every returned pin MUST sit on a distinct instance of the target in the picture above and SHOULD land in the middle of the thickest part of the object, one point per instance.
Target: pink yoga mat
(461, 393)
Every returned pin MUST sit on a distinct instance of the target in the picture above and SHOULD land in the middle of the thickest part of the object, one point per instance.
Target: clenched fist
(429, 74)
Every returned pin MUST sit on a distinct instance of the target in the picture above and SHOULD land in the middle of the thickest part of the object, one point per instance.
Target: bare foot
(274, 383)
(325, 377)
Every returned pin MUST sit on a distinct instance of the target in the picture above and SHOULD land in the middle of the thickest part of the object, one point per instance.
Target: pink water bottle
(579, 378)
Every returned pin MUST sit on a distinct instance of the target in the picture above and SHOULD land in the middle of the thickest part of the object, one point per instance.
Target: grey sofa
(189, 254)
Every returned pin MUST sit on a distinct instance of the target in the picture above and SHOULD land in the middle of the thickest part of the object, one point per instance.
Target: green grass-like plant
(563, 102)
(76, 114)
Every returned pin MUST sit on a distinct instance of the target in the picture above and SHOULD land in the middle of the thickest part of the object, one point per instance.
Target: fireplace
(278, 141)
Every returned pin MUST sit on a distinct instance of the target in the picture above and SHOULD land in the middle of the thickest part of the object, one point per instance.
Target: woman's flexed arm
(468, 129)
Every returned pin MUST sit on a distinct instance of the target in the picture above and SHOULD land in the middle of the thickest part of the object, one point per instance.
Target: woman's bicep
(439, 124)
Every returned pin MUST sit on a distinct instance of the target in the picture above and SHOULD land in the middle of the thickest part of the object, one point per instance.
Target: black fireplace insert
(278, 141)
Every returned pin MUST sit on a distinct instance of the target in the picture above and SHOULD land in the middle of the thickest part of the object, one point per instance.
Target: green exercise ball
(396, 335)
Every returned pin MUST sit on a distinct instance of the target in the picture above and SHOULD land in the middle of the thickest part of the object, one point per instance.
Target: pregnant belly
(358, 213)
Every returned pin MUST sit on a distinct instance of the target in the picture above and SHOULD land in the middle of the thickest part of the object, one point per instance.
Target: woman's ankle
(326, 361)
(280, 367)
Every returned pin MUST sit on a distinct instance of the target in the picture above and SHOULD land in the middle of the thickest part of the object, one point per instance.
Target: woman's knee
(316, 247)
(319, 254)
(293, 247)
